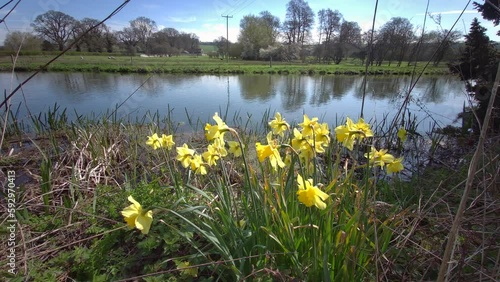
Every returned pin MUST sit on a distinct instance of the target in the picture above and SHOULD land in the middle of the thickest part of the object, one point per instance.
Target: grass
(243, 220)
(203, 64)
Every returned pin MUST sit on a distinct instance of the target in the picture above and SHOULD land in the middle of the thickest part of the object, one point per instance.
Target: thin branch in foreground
(63, 52)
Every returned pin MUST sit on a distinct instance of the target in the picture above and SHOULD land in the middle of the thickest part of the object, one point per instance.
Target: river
(331, 98)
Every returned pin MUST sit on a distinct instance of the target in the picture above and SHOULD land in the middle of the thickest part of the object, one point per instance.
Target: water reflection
(293, 95)
(257, 87)
(327, 88)
(201, 95)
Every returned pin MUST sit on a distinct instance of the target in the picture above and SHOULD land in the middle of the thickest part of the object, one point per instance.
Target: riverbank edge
(226, 70)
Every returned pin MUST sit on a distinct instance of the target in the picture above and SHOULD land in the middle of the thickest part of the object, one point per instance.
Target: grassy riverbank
(232, 217)
(203, 64)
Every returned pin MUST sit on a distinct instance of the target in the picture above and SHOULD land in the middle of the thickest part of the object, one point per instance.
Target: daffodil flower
(362, 126)
(323, 134)
(344, 136)
(185, 155)
(269, 151)
(348, 133)
(216, 131)
(197, 165)
(278, 125)
(235, 148)
(154, 141)
(379, 158)
(136, 217)
(310, 195)
(211, 155)
(308, 126)
(395, 166)
(167, 141)
(402, 134)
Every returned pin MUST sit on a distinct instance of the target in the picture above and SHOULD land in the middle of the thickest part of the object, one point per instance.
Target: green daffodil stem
(166, 154)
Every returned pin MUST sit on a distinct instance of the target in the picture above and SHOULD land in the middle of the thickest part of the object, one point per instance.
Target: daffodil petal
(143, 222)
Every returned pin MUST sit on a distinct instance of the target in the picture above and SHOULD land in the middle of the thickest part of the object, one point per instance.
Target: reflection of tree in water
(257, 87)
(294, 94)
(383, 87)
(435, 89)
(331, 87)
(152, 86)
(77, 86)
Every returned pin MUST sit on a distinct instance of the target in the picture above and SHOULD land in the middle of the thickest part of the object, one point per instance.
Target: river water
(331, 98)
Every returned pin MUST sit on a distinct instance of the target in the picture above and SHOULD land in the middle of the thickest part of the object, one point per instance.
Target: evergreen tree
(477, 66)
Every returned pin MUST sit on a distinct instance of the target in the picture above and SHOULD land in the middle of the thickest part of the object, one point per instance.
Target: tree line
(265, 37)
(54, 30)
(262, 37)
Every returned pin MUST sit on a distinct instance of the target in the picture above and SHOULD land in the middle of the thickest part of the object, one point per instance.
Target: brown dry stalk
(450, 244)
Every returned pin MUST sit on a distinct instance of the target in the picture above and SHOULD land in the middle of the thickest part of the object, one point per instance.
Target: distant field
(208, 48)
(202, 64)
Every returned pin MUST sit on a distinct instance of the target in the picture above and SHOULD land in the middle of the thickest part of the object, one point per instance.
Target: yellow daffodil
(298, 140)
(185, 155)
(395, 166)
(154, 141)
(235, 148)
(323, 134)
(211, 155)
(343, 134)
(379, 158)
(278, 125)
(310, 195)
(348, 133)
(216, 131)
(362, 127)
(269, 151)
(167, 141)
(308, 126)
(197, 165)
(136, 217)
(402, 134)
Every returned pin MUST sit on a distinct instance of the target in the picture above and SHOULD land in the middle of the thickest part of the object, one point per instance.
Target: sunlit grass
(204, 64)
(244, 218)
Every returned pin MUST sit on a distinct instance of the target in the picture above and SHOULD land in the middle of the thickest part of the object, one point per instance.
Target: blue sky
(204, 18)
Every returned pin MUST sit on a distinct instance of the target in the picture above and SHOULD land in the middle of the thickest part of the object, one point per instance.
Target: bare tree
(128, 39)
(57, 27)
(143, 28)
(397, 35)
(94, 40)
(299, 21)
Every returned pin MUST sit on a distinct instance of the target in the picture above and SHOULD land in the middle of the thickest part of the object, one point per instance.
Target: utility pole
(227, 36)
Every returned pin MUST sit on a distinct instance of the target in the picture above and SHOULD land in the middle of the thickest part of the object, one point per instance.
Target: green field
(203, 64)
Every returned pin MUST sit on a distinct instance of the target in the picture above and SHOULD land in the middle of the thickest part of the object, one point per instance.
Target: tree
(489, 12)
(396, 36)
(271, 25)
(128, 39)
(329, 26)
(221, 44)
(477, 67)
(143, 28)
(299, 21)
(257, 32)
(94, 40)
(349, 38)
(55, 26)
(22, 40)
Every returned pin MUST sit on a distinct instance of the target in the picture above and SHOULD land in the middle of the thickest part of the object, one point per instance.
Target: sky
(204, 17)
